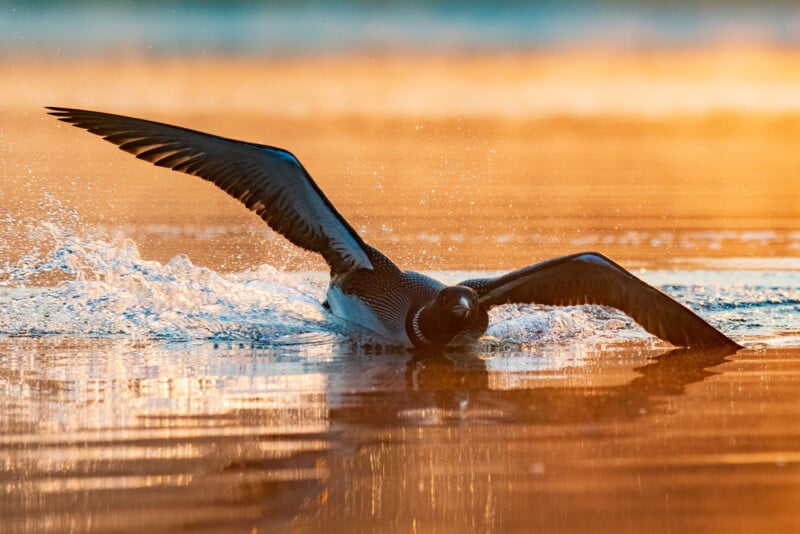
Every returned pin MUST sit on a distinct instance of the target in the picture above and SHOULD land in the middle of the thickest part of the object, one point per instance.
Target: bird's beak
(463, 308)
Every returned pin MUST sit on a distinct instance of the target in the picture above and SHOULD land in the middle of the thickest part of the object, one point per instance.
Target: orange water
(488, 162)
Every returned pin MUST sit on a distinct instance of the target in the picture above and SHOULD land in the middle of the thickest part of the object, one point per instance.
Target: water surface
(314, 27)
(146, 395)
(119, 435)
(165, 362)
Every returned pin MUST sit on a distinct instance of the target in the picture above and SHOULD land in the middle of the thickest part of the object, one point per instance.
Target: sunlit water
(108, 290)
(166, 365)
(137, 394)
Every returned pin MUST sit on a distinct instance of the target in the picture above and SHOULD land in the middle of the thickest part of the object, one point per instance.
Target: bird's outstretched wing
(269, 181)
(591, 278)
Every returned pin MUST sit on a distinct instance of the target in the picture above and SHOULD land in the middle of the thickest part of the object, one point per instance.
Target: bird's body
(367, 288)
(391, 295)
(389, 301)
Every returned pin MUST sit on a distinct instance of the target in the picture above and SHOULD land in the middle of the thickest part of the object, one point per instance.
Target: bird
(366, 288)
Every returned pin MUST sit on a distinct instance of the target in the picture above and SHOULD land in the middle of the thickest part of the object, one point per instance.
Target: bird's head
(457, 303)
(453, 314)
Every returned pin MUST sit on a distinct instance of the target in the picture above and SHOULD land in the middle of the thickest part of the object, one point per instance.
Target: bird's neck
(428, 326)
(414, 328)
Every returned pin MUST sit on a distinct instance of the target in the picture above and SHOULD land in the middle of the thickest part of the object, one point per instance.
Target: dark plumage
(366, 287)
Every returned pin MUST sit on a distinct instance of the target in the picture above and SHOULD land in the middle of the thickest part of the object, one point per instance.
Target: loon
(366, 288)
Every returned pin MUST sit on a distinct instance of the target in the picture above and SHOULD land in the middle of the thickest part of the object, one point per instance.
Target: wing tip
(726, 344)
(58, 110)
(711, 340)
(69, 115)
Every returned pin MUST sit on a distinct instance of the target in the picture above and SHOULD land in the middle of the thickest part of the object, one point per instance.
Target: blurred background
(303, 27)
(477, 135)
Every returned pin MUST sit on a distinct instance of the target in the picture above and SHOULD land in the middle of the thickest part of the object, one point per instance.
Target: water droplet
(538, 468)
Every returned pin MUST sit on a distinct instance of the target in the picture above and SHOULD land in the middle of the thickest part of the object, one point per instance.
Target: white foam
(113, 291)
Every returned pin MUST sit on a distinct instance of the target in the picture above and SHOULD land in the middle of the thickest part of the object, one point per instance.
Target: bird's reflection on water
(444, 448)
(459, 383)
(354, 441)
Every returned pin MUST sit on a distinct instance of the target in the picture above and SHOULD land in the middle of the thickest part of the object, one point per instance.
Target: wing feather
(591, 278)
(268, 180)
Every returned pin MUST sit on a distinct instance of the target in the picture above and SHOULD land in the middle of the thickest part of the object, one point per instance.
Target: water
(306, 28)
(110, 291)
(171, 396)
(165, 363)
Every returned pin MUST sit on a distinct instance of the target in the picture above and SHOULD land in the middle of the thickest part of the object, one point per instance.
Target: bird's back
(380, 299)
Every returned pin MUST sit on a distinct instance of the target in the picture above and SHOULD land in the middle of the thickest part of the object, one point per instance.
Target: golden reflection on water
(244, 437)
(679, 155)
(466, 163)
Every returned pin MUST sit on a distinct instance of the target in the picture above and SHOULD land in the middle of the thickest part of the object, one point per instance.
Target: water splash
(531, 325)
(111, 290)
(74, 283)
